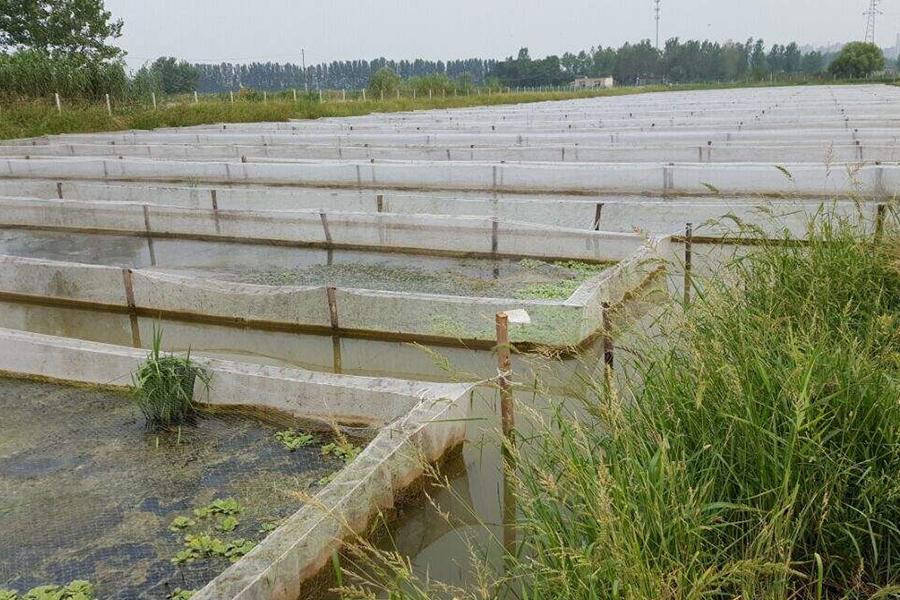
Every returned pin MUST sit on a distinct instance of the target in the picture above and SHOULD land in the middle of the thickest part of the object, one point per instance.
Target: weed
(180, 594)
(164, 387)
(76, 590)
(342, 449)
(227, 524)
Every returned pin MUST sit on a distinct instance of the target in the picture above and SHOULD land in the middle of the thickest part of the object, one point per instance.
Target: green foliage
(31, 73)
(384, 81)
(76, 590)
(164, 387)
(166, 75)
(292, 439)
(341, 449)
(857, 60)
(181, 523)
(197, 547)
(180, 594)
(71, 28)
(227, 506)
(227, 524)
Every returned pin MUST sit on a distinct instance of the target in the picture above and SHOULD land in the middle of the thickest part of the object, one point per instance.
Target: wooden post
(344, 95)
(608, 347)
(153, 98)
(59, 190)
(295, 94)
(688, 251)
(398, 93)
(382, 95)
(231, 94)
(429, 93)
(379, 202)
(108, 106)
(196, 97)
(320, 96)
(414, 93)
(879, 222)
(364, 94)
(265, 97)
(504, 365)
(58, 103)
(597, 214)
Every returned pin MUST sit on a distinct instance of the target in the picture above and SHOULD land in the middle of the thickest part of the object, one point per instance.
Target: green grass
(758, 459)
(30, 118)
(164, 387)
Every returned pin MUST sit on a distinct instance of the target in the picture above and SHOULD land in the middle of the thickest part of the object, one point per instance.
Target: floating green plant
(341, 449)
(76, 590)
(226, 506)
(181, 523)
(292, 439)
(164, 387)
(206, 546)
(227, 524)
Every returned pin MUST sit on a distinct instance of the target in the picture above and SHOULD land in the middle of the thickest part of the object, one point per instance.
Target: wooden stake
(196, 97)
(108, 105)
(153, 98)
(688, 258)
(608, 347)
(58, 103)
(231, 93)
(879, 222)
(295, 94)
(504, 365)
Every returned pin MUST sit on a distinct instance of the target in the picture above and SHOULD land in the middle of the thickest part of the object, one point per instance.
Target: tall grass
(164, 387)
(29, 117)
(760, 457)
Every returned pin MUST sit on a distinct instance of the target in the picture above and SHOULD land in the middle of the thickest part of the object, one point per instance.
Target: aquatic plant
(227, 524)
(341, 449)
(226, 506)
(205, 546)
(75, 590)
(164, 387)
(181, 523)
(292, 439)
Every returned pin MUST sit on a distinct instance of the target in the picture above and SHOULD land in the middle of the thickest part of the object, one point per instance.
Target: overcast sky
(261, 30)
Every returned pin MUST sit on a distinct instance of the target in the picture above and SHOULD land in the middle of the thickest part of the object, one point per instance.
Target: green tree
(857, 60)
(384, 81)
(168, 75)
(72, 28)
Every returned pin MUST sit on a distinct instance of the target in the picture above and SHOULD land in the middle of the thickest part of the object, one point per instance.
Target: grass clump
(164, 387)
(758, 458)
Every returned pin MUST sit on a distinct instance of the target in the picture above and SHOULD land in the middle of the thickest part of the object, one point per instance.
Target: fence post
(343, 95)
(429, 93)
(879, 222)
(231, 93)
(58, 103)
(108, 105)
(507, 415)
(196, 98)
(320, 96)
(295, 94)
(688, 258)
(382, 95)
(153, 98)
(364, 94)
(265, 97)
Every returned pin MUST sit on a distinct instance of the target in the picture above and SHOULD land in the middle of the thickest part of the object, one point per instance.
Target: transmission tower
(656, 10)
(870, 20)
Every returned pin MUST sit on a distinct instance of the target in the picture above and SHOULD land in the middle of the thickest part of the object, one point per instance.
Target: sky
(276, 30)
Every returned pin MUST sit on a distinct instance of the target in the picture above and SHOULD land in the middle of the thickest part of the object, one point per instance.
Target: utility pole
(656, 10)
(305, 78)
(870, 20)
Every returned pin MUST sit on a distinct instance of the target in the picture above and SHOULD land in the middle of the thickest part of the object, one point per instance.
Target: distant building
(589, 83)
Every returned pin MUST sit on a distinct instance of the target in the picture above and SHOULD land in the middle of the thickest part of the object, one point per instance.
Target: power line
(870, 20)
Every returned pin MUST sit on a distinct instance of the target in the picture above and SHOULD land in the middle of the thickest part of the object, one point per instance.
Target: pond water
(88, 492)
(282, 265)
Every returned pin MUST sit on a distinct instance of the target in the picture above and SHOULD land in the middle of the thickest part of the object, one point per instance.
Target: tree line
(67, 46)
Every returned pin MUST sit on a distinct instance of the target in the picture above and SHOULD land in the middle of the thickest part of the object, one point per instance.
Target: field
(702, 294)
